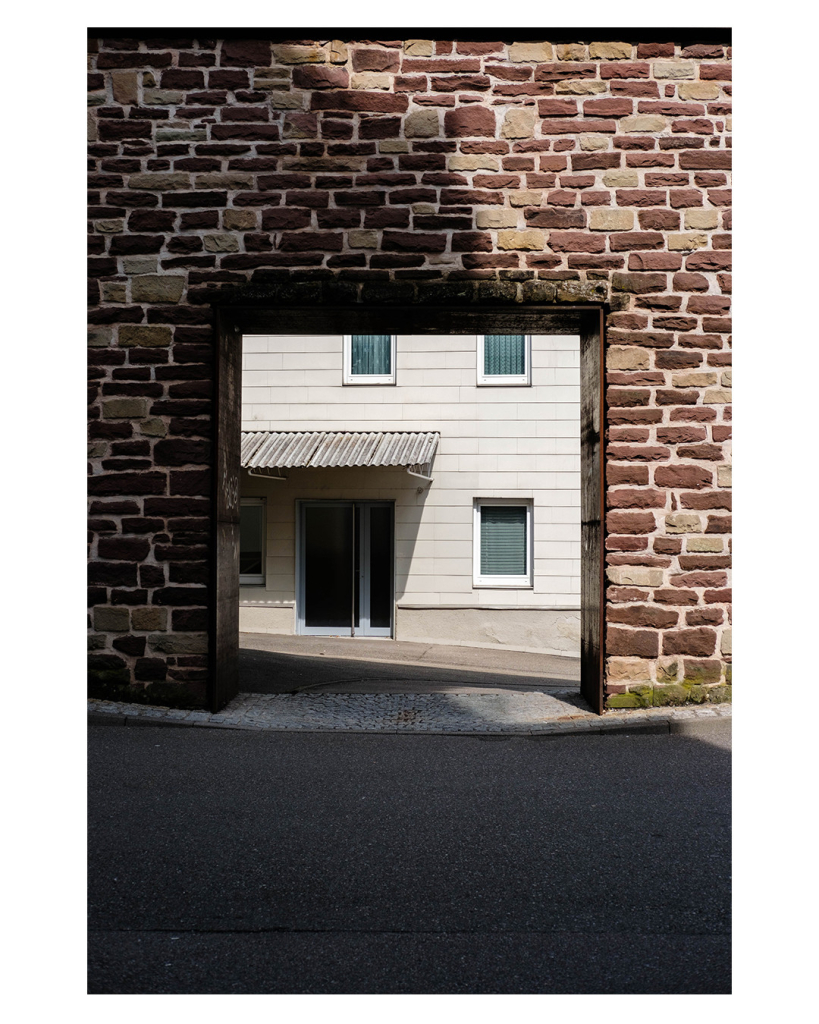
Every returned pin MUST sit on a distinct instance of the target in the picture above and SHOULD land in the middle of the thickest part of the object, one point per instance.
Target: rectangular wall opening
(363, 540)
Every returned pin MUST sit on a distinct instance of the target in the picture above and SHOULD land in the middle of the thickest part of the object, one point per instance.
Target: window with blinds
(504, 359)
(502, 543)
(369, 359)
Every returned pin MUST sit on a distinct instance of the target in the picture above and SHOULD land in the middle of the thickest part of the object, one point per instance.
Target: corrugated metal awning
(295, 449)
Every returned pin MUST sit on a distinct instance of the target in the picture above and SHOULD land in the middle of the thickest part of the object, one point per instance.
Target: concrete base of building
(267, 619)
(539, 630)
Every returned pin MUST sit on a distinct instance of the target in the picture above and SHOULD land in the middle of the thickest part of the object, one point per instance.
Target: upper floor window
(504, 359)
(369, 358)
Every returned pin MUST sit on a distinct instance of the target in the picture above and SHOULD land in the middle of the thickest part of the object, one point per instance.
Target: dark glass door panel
(357, 562)
(328, 566)
(380, 564)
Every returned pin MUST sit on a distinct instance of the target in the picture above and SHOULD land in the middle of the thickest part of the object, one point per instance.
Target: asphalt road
(243, 862)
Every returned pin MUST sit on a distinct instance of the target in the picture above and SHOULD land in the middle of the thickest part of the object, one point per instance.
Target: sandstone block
(363, 239)
(724, 476)
(530, 53)
(704, 544)
(693, 380)
(609, 51)
(634, 670)
(287, 100)
(701, 218)
(370, 80)
(337, 52)
(469, 162)
(423, 124)
(139, 265)
(111, 620)
(393, 146)
(144, 336)
(114, 226)
(580, 88)
(179, 643)
(602, 219)
(725, 642)
(231, 180)
(221, 243)
(99, 337)
(719, 396)
(667, 69)
(726, 378)
(124, 408)
(496, 218)
(162, 97)
(668, 670)
(643, 123)
(419, 47)
(113, 291)
(91, 126)
(528, 197)
(146, 619)
(300, 54)
(124, 84)
(469, 122)
(160, 181)
(683, 522)
(700, 641)
(239, 220)
(153, 427)
(621, 179)
(181, 135)
(571, 51)
(636, 576)
(687, 241)
(529, 238)
(698, 90)
(157, 288)
(519, 123)
(593, 142)
(618, 358)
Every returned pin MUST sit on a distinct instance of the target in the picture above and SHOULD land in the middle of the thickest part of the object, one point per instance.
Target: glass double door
(345, 568)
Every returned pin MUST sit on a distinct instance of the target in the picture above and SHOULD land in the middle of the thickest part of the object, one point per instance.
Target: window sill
(503, 583)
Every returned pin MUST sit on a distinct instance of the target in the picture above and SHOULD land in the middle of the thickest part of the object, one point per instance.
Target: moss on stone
(672, 694)
(624, 700)
(669, 695)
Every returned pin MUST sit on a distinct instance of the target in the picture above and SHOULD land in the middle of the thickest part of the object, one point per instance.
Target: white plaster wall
(509, 442)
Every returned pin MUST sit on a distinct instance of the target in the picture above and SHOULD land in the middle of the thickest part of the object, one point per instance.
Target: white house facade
(419, 487)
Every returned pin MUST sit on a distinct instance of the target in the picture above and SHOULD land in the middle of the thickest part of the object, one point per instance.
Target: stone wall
(419, 170)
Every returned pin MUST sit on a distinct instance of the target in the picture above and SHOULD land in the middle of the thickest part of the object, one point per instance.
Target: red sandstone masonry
(484, 165)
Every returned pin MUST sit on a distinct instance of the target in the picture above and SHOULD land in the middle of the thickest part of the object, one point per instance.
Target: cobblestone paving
(412, 713)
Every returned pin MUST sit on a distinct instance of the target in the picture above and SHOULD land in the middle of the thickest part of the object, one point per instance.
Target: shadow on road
(236, 862)
(272, 664)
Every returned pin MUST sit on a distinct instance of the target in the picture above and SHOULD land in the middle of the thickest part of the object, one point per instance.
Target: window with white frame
(502, 542)
(369, 358)
(251, 542)
(504, 359)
